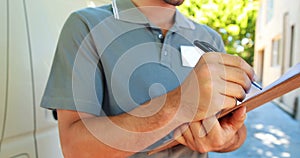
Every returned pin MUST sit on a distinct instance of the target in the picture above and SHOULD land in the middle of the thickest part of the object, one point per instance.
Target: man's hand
(226, 135)
(217, 81)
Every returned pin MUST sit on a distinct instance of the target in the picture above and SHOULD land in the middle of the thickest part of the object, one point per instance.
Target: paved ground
(271, 134)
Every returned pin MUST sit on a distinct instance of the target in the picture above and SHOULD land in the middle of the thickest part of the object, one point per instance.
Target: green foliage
(235, 20)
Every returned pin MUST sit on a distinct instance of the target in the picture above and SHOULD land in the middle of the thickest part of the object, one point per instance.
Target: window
(260, 65)
(292, 45)
(270, 10)
(275, 60)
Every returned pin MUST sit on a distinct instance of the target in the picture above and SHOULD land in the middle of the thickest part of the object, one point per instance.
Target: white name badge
(190, 55)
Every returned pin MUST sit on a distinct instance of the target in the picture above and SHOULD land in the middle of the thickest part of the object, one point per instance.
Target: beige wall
(285, 14)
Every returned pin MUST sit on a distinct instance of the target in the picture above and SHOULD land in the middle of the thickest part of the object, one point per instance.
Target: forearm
(116, 136)
(78, 141)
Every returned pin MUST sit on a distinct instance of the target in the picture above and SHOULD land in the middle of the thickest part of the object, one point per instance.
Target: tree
(235, 20)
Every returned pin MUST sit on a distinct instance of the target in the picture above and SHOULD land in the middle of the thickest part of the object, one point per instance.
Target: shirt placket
(165, 54)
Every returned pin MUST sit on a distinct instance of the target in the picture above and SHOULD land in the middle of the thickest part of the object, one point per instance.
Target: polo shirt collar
(182, 21)
(125, 10)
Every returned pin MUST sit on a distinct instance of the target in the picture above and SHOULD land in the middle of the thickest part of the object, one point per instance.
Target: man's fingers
(224, 130)
(199, 134)
(237, 76)
(210, 123)
(236, 61)
(178, 136)
(234, 91)
(239, 117)
(236, 120)
(230, 60)
(237, 140)
(198, 130)
(181, 140)
(183, 135)
(189, 138)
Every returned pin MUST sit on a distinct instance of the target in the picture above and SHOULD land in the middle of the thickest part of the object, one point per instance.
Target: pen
(206, 47)
(255, 84)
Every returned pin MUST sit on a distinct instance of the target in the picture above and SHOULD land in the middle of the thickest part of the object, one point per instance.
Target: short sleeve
(220, 44)
(76, 80)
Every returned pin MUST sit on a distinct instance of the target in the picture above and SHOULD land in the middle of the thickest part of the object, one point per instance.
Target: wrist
(158, 113)
(170, 111)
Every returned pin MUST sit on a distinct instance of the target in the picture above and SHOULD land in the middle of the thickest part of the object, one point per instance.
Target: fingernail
(244, 110)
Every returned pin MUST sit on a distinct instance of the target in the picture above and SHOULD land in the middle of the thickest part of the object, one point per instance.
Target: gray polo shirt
(111, 59)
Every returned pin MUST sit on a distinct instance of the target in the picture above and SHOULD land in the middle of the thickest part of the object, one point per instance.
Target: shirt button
(165, 53)
(160, 36)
